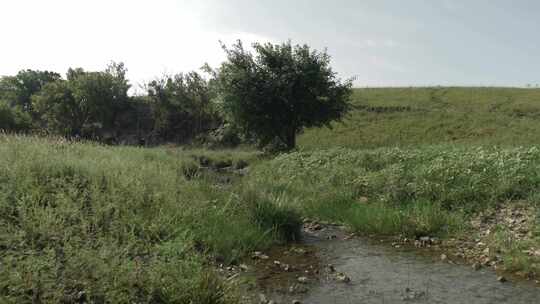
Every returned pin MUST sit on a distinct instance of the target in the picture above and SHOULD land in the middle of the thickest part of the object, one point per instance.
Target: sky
(378, 42)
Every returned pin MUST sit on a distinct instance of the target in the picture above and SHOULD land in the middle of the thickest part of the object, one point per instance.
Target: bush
(13, 119)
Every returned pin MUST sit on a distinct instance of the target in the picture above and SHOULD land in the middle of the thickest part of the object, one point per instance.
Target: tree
(13, 119)
(280, 91)
(85, 103)
(181, 106)
(17, 90)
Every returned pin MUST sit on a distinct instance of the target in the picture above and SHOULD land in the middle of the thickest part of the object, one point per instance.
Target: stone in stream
(501, 279)
(296, 302)
(331, 268)
(411, 295)
(341, 277)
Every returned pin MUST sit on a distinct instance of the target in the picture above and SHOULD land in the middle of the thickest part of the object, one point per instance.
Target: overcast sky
(380, 42)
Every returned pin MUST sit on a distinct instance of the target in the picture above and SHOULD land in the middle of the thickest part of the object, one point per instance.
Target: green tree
(17, 90)
(281, 90)
(13, 119)
(85, 103)
(182, 107)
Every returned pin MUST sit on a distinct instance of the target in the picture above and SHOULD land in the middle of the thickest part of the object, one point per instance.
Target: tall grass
(80, 222)
(420, 191)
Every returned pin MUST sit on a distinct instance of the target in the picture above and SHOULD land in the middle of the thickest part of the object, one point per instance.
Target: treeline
(267, 98)
(95, 105)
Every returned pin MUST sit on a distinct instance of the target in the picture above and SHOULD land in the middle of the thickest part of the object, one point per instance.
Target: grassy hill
(386, 117)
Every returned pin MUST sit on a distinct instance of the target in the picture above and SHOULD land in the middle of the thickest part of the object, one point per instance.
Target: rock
(296, 302)
(244, 267)
(277, 263)
(476, 266)
(316, 227)
(350, 236)
(302, 280)
(444, 257)
(257, 255)
(501, 279)
(331, 268)
(363, 199)
(425, 239)
(299, 250)
(296, 288)
(263, 299)
(486, 251)
(341, 277)
(412, 295)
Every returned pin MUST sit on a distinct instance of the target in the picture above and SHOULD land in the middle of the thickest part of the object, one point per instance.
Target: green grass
(84, 222)
(422, 191)
(413, 192)
(412, 116)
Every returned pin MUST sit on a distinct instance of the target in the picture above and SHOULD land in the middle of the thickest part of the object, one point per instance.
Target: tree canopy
(85, 102)
(281, 90)
(181, 105)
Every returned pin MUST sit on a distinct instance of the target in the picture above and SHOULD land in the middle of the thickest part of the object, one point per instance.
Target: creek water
(380, 274)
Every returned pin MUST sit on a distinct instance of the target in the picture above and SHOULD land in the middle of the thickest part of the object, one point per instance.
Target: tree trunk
(291, 139)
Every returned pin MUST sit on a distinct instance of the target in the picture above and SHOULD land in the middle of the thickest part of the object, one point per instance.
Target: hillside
(410, 116)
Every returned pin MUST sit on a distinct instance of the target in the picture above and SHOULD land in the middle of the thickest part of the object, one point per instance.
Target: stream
(380, 274)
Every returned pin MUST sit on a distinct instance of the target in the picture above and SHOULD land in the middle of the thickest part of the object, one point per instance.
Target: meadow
(83, 222)
(389, 117)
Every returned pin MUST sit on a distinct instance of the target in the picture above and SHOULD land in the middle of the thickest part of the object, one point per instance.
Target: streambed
(381, 274)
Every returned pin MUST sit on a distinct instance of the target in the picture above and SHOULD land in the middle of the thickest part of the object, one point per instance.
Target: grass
(413, 192)
(405, 117)
(81, 222)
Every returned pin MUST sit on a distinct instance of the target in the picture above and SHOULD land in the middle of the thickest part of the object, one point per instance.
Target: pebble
(331, 268)
(259, 255)
(296, 302)
(476, 266)
(302, 280)
(444, 257)
(343, 278)
(501, 279)
(296, 288)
